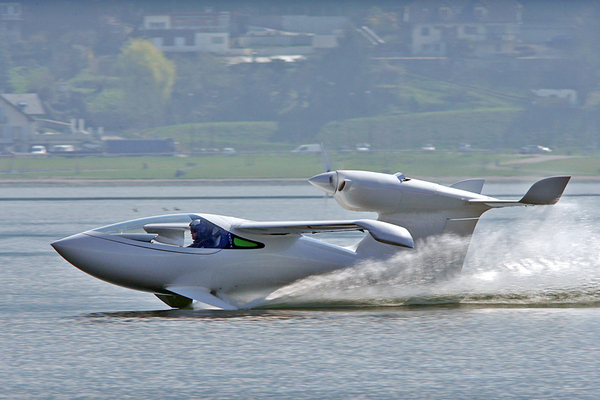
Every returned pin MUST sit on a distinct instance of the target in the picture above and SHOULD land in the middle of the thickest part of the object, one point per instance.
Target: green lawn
(252, 136)
(285, 165)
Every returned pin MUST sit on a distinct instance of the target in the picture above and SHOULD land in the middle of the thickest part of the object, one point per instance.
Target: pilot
(202, 233)
(209, 236)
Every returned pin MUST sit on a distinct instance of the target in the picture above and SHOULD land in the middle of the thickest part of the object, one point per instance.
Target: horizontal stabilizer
(381, 231)
(202, 295)
(545, 192)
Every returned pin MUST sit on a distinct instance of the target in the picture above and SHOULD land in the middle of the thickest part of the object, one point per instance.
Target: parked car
(308, 149)
(363, 147)
(38, 150)
(534, 150)
(62, 148)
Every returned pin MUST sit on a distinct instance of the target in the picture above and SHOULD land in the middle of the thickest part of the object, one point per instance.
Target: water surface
(521, 321)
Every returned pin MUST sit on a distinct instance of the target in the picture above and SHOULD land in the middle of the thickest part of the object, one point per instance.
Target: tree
(202, 85)
(148, 78)
(335, 86)
(382, 22)
(5, 64)
(32, 80)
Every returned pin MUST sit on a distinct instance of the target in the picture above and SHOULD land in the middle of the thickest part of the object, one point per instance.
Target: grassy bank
(249, 136)
(258, 166)
(444, 129)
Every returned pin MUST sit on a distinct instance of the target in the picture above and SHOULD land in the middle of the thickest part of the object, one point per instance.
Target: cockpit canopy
(174, 230)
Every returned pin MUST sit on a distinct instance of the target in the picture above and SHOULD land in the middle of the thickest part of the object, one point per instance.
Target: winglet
(387, 233)
(546, 192)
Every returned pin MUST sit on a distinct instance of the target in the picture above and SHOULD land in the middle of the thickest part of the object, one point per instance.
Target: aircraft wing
(544, 192)
(381, 231)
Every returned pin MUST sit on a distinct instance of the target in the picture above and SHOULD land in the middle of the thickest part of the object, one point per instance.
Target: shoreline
(78, 182)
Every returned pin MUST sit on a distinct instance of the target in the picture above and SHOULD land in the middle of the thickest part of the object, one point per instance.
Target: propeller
(325, 159)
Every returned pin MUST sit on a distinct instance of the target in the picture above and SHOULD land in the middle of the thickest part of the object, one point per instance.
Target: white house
(17, 127)
(189, 32)
(555, 97)
(439, 27)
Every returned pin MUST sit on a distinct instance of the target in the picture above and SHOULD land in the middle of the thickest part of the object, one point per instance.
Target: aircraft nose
(70, 248)
(111, 261)
(327, 181)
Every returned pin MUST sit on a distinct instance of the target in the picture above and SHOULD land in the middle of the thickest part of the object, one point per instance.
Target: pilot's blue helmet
(198, 225)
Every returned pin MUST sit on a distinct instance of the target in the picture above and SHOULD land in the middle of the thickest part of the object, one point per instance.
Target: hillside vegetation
(342, 96)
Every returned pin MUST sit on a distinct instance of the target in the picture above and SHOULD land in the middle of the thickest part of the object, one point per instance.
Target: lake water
(521, 321)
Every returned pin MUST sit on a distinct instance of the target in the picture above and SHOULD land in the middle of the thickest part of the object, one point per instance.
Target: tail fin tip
(546, 191)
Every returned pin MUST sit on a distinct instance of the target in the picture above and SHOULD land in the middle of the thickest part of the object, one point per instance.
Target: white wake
(545, 255)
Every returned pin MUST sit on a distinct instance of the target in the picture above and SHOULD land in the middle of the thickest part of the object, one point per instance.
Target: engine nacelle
(385, 193)
(361, 190)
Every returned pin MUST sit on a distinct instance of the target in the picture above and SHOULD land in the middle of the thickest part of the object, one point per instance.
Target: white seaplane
(234, 263)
